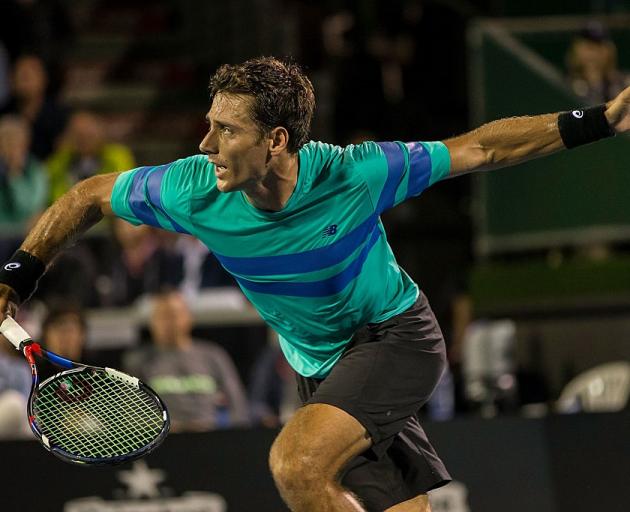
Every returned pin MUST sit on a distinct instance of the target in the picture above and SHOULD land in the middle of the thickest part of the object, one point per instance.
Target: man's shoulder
(317, 147)
(186, 168)
(324, 155)
(192, 172)
(193, 163)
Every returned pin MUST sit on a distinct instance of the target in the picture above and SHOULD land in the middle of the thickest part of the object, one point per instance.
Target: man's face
(234, 143)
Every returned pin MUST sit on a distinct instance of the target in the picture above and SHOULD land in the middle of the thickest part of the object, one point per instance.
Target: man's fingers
(12, 309)
(618, 112)
(7, 309)
(8, 302)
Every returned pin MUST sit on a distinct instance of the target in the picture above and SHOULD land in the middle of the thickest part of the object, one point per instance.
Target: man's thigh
(320, 439)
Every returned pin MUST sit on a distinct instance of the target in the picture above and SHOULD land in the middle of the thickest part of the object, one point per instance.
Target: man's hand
(618, 112)
(7, 302)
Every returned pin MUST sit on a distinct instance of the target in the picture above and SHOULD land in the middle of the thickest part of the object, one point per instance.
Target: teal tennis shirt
(320, 268)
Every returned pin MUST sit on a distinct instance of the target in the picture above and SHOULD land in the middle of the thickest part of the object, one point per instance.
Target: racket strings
(92, 414)
(102, 433)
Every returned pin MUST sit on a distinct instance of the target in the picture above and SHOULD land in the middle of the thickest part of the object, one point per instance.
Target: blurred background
(527, 269)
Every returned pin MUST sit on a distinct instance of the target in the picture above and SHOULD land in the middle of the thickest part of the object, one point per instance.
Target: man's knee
(293, 466)
(312, 448)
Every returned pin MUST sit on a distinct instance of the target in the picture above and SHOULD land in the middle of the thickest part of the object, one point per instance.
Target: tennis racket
(86, 414)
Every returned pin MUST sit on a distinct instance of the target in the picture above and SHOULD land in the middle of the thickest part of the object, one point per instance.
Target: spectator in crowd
(196, 379)
(15, 385)
(592, 67)
(273, 396)
(200, 269)
(23, 182)
(83, 152)
(73, 276)
(140, 263)
(30, 99)
(64, 330)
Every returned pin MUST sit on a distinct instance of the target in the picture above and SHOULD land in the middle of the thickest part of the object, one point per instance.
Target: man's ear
(278, 140)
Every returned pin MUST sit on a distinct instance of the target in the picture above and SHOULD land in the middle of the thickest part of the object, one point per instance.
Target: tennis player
(297, 224)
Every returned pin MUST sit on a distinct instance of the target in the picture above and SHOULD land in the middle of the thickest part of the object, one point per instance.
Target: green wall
(562, 199)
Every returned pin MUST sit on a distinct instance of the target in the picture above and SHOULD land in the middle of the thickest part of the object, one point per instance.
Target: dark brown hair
(59, 311)
(282, 95)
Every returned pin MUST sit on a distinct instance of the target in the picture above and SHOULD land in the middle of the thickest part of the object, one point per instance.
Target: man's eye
(226, 129)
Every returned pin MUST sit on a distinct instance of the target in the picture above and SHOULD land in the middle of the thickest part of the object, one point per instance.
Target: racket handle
(12, 331)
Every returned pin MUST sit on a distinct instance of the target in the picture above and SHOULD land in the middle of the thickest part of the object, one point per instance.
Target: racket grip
(13, 332)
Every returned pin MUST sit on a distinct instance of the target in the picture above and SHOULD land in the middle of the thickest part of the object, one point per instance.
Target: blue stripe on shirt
(137, 201)
(154, 187)
(307, 261)
(322, 288)
(395, 169)
(419, 168)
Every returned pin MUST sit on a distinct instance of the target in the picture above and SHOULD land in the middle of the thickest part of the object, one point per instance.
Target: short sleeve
(158, 196)
(412, 167)
(396, 171)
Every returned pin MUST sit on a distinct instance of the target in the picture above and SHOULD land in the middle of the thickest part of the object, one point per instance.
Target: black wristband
(584, 126)
(22, 272)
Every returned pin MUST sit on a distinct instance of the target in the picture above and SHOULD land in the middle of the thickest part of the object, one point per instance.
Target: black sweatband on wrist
(22, 272)
(584, 126)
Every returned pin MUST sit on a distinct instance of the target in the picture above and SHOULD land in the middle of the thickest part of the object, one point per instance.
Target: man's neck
(275, 190)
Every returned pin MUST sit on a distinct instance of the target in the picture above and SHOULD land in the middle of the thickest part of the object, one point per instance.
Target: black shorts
(387, 372)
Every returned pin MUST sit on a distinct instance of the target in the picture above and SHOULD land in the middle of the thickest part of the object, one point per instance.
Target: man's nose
(208, 144)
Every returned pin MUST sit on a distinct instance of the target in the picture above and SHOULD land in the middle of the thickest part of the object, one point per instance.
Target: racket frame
(22, 341)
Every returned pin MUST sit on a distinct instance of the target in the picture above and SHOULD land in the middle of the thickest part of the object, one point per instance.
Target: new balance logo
(330, 230)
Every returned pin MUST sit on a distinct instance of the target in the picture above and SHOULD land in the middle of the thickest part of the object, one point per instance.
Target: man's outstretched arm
(513, 140)
(70, 216)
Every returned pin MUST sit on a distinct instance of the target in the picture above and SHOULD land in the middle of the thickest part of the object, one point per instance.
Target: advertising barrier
(557, 464)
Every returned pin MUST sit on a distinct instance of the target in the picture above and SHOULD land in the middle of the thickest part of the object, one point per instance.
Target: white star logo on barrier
(141, 481)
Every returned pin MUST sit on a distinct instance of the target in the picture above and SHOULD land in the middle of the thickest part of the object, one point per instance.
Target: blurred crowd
(46, 147)
(592, 65)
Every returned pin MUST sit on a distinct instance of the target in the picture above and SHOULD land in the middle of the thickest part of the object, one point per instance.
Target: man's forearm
(513, 140)
(70, 216)
(505, 142)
